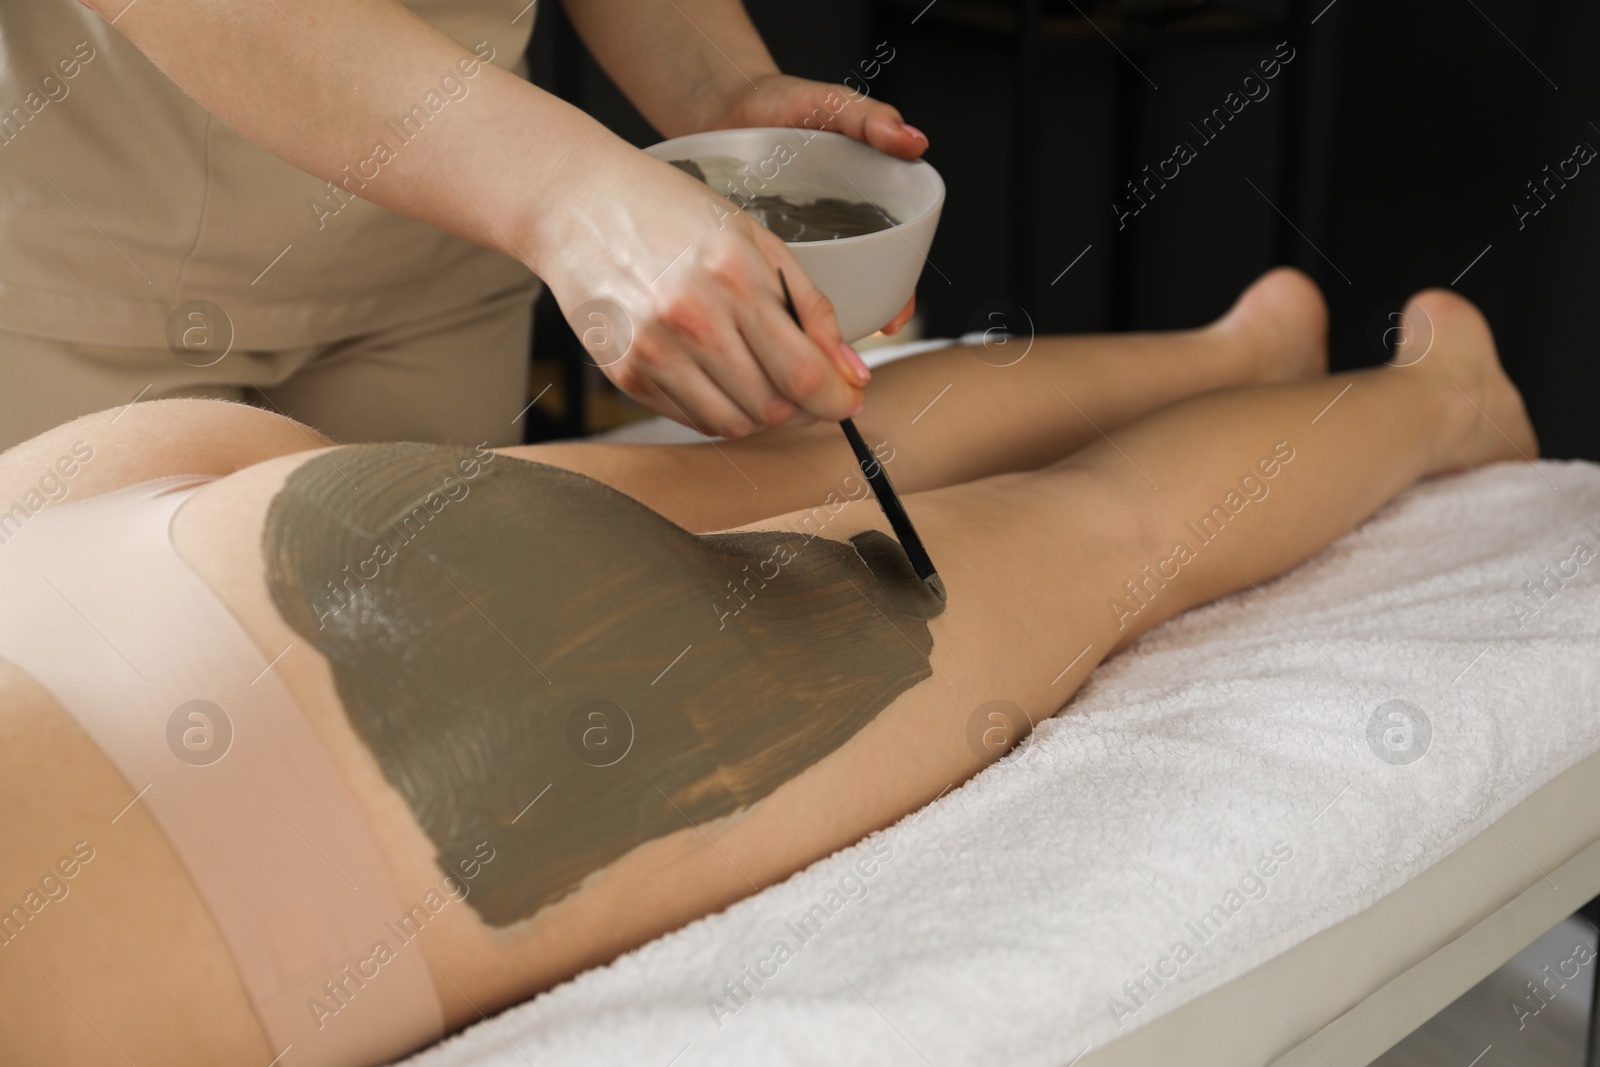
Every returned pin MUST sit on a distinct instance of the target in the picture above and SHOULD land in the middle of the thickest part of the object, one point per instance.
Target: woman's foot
(1447, 341)
(1280, 324)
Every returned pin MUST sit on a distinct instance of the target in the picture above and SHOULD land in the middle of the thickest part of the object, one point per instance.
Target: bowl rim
(835, 242)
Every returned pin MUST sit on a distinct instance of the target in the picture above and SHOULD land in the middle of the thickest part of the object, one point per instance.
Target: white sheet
(1014, 908)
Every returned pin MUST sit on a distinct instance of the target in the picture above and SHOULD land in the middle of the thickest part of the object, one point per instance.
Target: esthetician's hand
(675, 293)
(782, 100)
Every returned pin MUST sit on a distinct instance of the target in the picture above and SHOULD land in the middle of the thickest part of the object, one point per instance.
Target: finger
(709, 332)
(800, 368)
(695, 339)
(669, 380)
(818, 323)
(904, 316)
(853, 120)
(740, 375)
(886, 131)
(877, 124)
(699, 403)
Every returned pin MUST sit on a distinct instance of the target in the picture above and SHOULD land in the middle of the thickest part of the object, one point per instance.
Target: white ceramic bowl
(868, 278)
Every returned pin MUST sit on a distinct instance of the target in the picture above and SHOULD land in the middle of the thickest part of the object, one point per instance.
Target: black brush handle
(889, 501)
(882, 488)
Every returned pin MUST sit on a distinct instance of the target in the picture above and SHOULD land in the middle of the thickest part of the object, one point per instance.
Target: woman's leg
(1039, 565)
(1253, 480)
(954, 416)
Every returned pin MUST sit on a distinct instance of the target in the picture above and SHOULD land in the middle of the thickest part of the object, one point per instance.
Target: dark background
(1394, 144)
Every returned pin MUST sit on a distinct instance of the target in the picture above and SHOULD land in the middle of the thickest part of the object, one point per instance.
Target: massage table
(1398, 730)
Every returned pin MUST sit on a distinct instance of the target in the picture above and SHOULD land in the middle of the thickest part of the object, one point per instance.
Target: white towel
(1012, 910)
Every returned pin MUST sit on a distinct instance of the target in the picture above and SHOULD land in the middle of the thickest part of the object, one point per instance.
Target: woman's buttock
(540, 692)
(106, 952)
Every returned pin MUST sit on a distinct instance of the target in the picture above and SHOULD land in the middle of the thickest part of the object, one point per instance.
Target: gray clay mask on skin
(500, 630)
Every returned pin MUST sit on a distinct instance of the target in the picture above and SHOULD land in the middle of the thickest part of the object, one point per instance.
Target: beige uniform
(148, 250)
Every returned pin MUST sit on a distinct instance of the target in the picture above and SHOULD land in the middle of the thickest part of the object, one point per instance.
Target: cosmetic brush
(882, 488)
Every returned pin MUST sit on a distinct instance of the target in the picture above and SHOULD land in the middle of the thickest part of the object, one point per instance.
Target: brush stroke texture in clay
(496, 627)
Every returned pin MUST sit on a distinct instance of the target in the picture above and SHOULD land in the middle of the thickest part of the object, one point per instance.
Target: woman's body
(1033, 562)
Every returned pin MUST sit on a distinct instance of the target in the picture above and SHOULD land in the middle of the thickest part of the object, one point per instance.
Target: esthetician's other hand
(782, 100)
(675, 293)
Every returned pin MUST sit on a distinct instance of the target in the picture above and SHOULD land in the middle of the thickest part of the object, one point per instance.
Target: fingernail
(913, 131)
(860, 407)
(863, 372)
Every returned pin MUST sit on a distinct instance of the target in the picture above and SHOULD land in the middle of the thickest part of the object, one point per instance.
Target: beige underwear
(99, 608)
